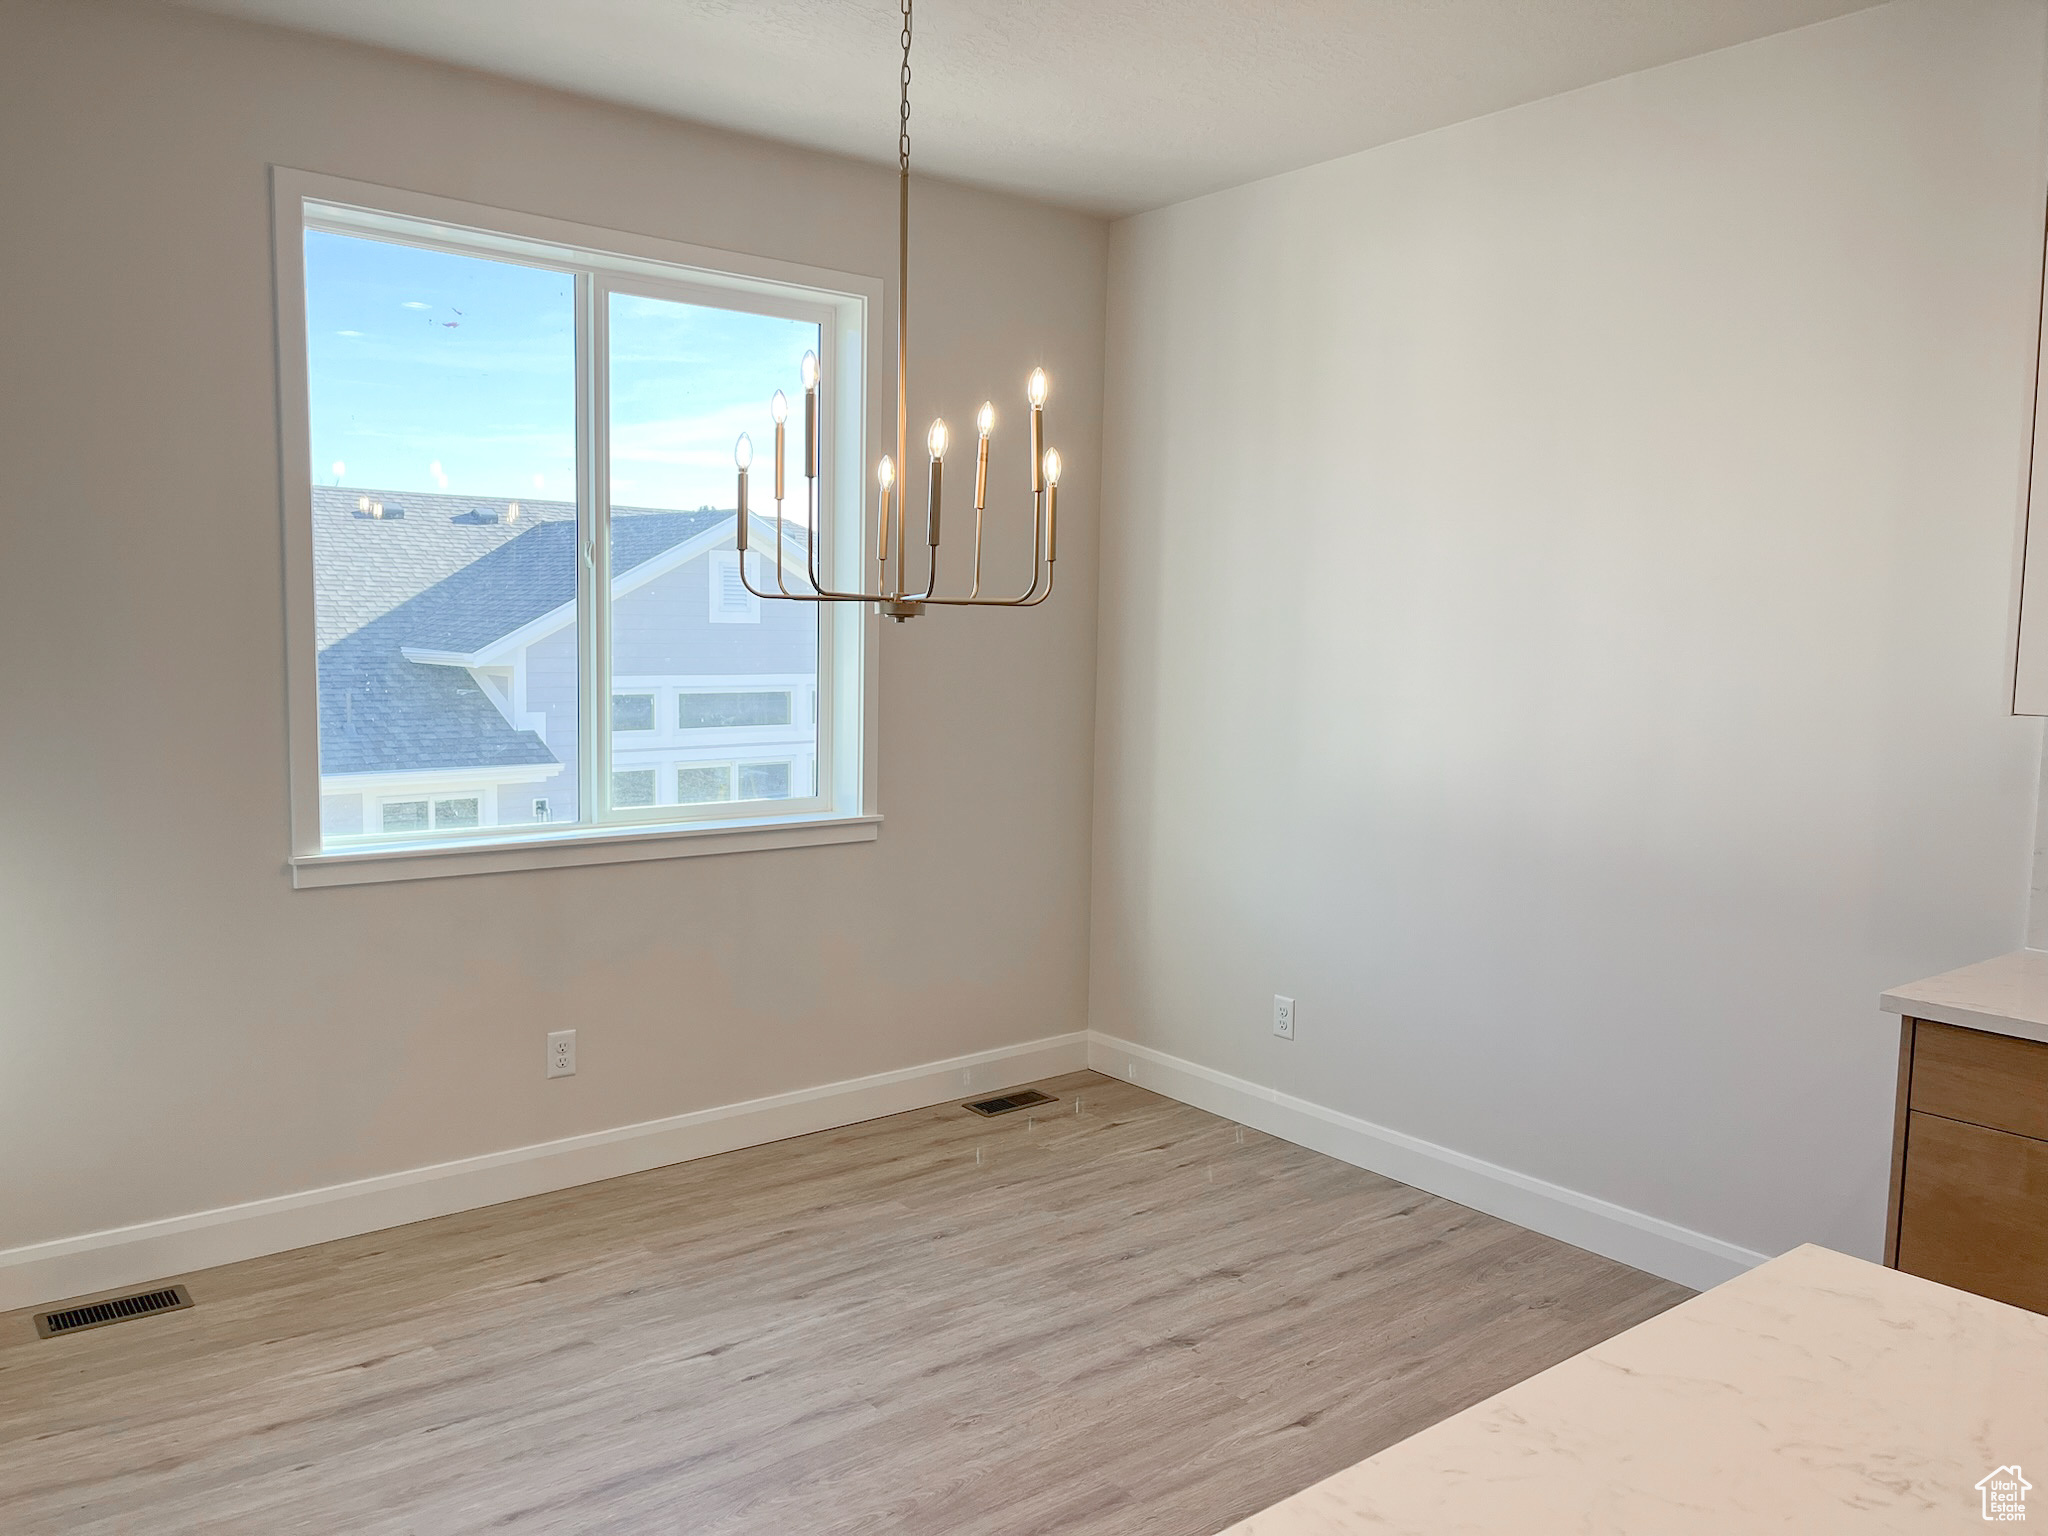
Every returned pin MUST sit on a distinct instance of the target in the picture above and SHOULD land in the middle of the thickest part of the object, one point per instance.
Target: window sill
(430, 861)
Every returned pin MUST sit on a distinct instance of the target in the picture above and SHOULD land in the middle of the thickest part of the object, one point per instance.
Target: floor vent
(1023, 1098)
(115, 1309)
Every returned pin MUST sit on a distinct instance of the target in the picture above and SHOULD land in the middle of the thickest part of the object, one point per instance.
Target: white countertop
(2007, 996)
(1815, 1394)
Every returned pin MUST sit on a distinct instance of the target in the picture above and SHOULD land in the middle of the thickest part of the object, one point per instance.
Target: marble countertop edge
(2005, 995)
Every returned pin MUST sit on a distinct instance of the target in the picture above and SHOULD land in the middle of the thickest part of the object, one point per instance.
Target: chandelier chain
(903, 120)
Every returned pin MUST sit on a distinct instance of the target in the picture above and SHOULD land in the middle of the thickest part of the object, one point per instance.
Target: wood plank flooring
(1116, 1315)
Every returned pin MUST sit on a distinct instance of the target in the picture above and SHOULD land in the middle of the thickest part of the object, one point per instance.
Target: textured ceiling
(1109, 105)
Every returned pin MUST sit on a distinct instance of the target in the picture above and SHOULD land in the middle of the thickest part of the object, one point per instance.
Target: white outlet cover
(562, 1053)
(1283, 1016)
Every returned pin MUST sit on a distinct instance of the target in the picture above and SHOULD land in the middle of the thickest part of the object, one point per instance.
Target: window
(709, 711)
(632, 786)
(764, 781)
(701, 784)
(514, 543)
(406, 816)
(430, 815)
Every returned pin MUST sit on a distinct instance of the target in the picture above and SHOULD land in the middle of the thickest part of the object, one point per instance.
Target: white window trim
(846, 810)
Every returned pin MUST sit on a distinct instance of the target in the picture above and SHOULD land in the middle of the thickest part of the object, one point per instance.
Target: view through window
(462, 652)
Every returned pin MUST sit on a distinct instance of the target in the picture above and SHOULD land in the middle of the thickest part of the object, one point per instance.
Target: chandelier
(895, 595)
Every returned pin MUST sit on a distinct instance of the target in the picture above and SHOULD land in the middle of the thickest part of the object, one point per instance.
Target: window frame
(849, 309)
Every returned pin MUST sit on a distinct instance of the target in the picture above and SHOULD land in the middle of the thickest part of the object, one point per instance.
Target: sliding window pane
(442, 401)
(684, 381)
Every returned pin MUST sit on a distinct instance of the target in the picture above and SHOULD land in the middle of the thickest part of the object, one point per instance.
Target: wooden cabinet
(1969, 1199)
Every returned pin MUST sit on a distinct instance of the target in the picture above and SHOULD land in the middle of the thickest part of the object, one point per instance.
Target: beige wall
(1562, 583)
(179, 1029)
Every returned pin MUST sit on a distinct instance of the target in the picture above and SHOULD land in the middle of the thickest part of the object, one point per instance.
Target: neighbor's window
(702, 784)
(703, 711)
(764, 781)
(633, 786)
(428, 815)
(530, 615)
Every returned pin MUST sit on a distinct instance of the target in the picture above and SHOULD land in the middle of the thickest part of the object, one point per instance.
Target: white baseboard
(1645, 1242)
(151, 1250)
(177, 1245)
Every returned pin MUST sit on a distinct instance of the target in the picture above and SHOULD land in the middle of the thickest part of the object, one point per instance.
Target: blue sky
(430, 371)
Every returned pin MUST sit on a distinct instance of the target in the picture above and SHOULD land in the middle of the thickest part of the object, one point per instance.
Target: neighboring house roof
(444, 578)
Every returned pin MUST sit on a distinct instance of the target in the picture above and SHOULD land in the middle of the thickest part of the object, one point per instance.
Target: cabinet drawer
(1991, 1080)
(1974, 1210)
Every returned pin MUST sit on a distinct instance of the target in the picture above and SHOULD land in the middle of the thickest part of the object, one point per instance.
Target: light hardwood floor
(1120, 1315)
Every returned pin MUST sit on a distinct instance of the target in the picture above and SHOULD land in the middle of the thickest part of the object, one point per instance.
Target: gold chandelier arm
(1026, 601)
(740, 543)
(811, 541)
(975, 590)
(1041, 570)
(931, 575)
(786, 597)
(809, 597)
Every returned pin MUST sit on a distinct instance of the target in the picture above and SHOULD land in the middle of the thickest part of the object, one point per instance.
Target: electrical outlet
(562, 1053)
(1283, 1016)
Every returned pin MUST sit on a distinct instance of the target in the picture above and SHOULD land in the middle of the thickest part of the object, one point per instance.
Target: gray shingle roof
(443, 578)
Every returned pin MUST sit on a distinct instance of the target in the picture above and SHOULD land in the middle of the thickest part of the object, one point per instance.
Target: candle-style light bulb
(743, 457)
(985, 420)
(779, 408)
(810, 416)
(936, 439)
(1052, 466)
(1036, 389)
(885, 477)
